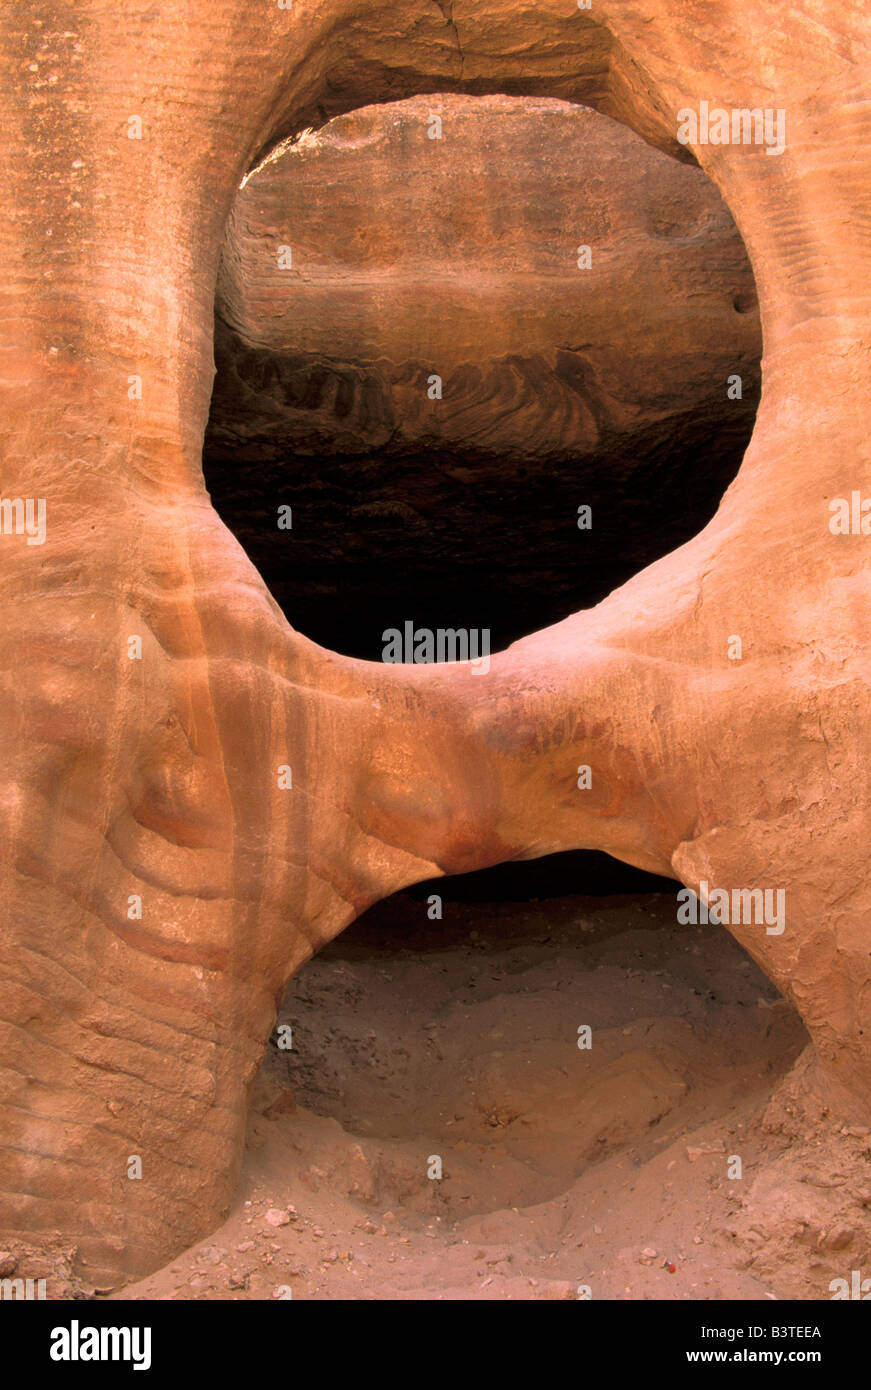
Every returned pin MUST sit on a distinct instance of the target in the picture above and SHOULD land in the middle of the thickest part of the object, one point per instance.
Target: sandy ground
(563, 1169)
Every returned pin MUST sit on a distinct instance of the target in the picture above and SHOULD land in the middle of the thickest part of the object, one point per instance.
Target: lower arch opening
(521, 1097)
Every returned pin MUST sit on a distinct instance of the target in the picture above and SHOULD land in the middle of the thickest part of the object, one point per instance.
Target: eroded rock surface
(368, 257)
(156, 778)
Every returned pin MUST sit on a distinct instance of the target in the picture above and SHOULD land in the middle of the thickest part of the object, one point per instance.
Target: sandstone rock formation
(157, 778)
(408, 255)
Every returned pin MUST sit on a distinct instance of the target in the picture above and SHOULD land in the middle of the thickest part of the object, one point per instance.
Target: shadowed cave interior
(464, 540)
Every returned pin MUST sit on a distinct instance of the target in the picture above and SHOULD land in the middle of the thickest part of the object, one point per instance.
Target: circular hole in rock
(435, 351)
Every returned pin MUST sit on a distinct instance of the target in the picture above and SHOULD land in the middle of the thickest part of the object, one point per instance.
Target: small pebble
(276, 1217)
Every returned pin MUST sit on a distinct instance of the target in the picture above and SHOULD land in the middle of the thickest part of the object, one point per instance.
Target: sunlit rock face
(445, 324)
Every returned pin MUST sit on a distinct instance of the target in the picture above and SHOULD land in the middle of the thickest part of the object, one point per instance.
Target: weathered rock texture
(157, 777)
(408, 255)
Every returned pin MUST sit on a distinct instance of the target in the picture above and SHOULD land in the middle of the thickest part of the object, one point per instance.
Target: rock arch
(155, 778)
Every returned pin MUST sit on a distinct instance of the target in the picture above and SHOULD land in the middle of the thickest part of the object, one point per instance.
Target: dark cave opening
(455, 540)
(588, 872)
